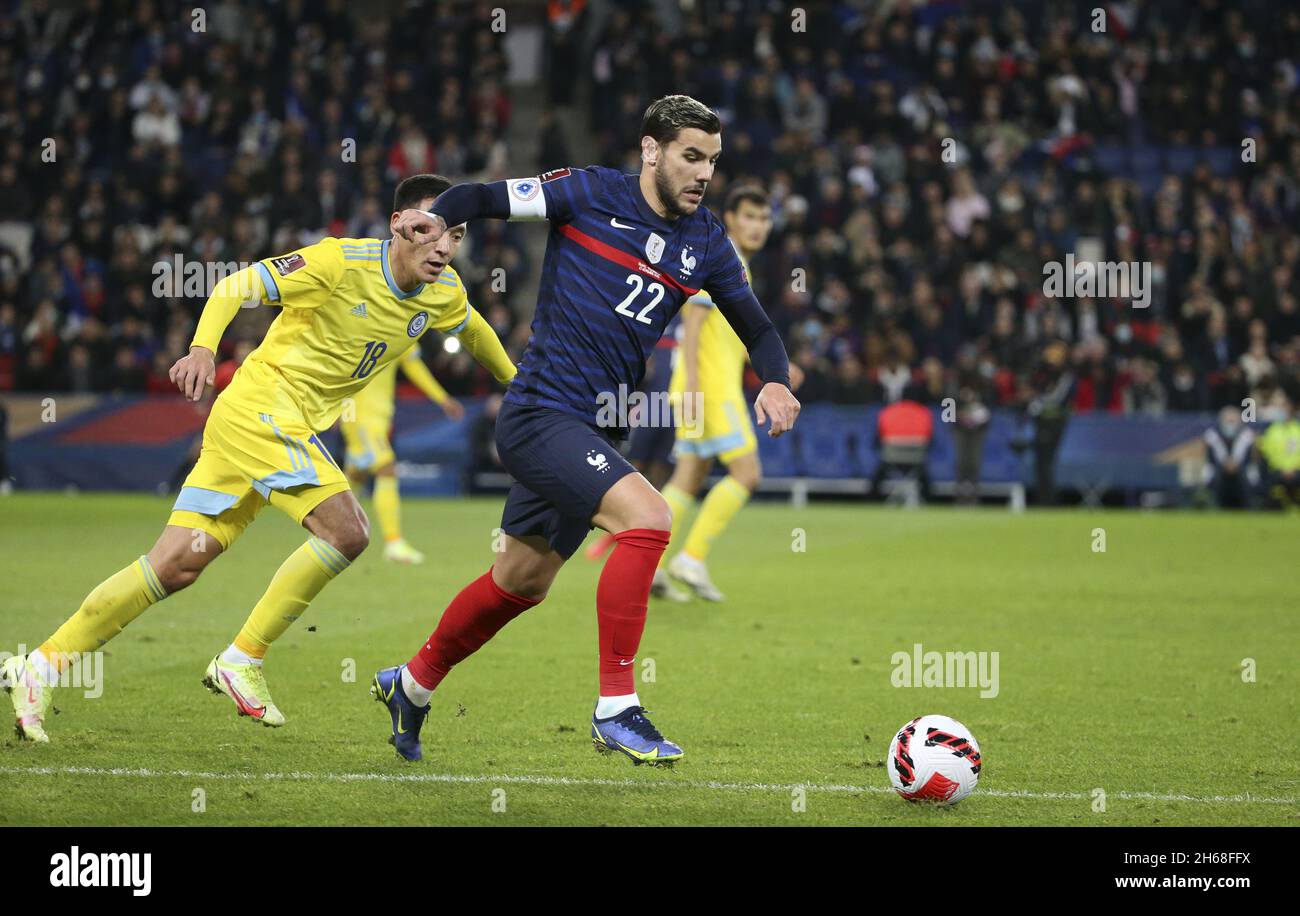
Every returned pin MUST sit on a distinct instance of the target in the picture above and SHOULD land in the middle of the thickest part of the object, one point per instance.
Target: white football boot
(695, 574)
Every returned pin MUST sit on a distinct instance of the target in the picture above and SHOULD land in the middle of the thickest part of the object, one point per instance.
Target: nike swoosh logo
(617, 225)
(640, 755)
(255, 711)
(400, 730)
(628, 662)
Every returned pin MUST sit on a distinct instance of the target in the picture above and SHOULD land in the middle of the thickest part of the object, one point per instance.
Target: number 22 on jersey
(655, 289)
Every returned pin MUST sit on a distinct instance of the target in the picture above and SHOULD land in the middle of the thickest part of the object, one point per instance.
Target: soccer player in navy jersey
(624, 253)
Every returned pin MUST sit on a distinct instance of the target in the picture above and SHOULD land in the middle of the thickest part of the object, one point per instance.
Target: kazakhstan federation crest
(416, 324)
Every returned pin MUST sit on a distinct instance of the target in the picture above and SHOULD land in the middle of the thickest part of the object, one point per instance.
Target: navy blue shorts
(651, 444)
(562, 468)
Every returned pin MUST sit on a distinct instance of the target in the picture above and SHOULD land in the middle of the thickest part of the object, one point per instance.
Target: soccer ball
(935, 759)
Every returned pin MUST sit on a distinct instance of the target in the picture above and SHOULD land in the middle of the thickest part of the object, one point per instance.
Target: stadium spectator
(850, 385)
(1280, 449)
(1145, 394)
(1231, 475)
(1048, 405)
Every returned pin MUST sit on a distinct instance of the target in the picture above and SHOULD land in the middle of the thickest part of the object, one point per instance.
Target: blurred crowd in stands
(137, 133)
(926, 160)
(896, 269)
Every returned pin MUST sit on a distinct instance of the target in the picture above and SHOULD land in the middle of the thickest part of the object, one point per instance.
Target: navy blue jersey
(614, 275)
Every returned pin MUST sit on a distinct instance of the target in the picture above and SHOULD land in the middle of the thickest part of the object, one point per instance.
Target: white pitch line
(666, 783)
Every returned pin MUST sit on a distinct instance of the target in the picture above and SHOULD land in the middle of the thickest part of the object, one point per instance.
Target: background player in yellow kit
(709, 373)
(369, 452)
(260, 443)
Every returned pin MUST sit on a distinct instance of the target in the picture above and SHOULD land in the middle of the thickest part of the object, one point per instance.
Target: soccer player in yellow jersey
(708, 382)
(351, 308)
(369, 453)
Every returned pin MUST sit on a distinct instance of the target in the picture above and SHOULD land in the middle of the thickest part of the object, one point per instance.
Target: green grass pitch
(1120, 671)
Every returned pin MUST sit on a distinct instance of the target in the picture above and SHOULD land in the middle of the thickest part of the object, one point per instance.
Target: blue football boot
(407, 717)
(631, 733)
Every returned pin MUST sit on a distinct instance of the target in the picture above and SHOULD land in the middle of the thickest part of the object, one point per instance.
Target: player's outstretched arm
(483, 344)
(194, 372)
(413, 368)
(557, 195)
(458, 204)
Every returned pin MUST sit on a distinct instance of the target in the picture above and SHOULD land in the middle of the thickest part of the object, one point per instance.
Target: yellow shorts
(250, 459)
(717, 426)
(368, 448)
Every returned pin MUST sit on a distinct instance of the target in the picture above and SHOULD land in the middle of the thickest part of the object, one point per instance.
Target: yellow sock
(727, 497)
(388, 507)
(681, 503)
(298, 580)
(114, 603)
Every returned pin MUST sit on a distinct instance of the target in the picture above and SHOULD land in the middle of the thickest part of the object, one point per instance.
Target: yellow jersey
(344, 322)
(375, 401)
(1280, 445)
(720, 355)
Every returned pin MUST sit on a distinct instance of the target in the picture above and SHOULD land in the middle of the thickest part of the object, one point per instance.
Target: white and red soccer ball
(934, 759)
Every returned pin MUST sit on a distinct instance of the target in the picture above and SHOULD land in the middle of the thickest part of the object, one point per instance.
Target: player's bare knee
(685, 483)
(532, 589)
(350, 538)
(176, 571)
(655, 514)
(689, 476)
(533, 584)
(177, 579)
(180, 556)
(342, 523)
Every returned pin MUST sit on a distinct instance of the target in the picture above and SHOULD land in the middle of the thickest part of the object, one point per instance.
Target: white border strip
(666, 783)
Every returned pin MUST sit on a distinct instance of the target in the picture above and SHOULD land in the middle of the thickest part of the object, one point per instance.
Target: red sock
(474, 616)
(600, 547)
(621, 598)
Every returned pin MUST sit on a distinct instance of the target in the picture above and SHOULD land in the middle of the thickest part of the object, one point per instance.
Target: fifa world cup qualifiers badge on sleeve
(289, 263)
